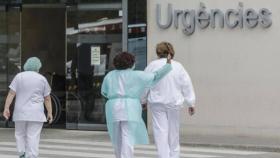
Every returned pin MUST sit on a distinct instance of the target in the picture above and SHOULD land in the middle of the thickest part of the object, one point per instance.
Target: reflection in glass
(99, 1)
(76, 44)
(137, 32)
(40, 1)
(9, 49)
(14, 63)
(93, 39)
(3, 59)
(137, 35)
(45, 39)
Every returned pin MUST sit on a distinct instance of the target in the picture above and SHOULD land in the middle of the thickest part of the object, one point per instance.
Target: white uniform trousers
(166, 128)
(27, 136)
(123, 148)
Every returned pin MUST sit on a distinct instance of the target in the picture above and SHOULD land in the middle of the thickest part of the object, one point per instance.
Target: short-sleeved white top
(30, 88)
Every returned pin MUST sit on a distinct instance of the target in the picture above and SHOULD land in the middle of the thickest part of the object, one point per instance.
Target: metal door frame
(96, 7)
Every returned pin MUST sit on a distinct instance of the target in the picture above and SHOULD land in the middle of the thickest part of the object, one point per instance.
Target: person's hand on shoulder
(144, 106)
(169, 58)
(191, 111)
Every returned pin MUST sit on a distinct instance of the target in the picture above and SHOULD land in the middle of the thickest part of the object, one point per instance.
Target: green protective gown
(134, 84)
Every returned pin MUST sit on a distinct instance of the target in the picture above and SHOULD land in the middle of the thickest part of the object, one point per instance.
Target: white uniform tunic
(175, 88)
(30, 88)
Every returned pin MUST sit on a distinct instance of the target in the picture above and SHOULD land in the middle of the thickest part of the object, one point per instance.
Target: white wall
(235, 72)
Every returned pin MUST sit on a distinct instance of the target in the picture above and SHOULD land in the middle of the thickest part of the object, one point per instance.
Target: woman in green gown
(123, 88)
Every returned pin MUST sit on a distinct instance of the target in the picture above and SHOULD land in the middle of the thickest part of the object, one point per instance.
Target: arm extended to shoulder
(159, 74)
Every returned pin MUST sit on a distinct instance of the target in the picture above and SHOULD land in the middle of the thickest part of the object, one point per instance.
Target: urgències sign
(231, 18)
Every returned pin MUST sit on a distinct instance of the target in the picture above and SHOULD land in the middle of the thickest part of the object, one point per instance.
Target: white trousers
(166, 127)
(123, 147)
(27, 136)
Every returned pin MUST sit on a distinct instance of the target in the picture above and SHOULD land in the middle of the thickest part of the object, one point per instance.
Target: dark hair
(124, 61)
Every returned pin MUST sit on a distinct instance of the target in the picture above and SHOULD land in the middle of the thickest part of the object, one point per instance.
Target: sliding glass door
(10, 42)
(94, 36)
(76, 41)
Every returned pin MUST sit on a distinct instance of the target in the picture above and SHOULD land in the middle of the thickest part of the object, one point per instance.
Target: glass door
(137, 35)
(76, 44)
(94, 36)
(10, 42)
(43, 36)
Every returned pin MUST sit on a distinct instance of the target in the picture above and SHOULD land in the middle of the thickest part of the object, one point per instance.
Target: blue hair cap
(32, 64)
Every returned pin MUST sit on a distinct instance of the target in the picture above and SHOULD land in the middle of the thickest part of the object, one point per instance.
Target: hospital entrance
(76, 43)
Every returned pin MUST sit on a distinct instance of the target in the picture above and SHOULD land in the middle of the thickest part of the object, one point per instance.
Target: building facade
(234, 68)
(229, 47)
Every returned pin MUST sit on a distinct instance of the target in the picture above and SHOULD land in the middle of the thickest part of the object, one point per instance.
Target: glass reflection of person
(73, 85)
(32, 91)
(123, 88)
(81, 65)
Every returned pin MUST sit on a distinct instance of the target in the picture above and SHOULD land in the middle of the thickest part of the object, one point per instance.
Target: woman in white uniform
(165, 100)
(32, 91)
(123, 88)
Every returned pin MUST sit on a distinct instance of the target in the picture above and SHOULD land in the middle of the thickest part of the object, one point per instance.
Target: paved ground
(87, 144)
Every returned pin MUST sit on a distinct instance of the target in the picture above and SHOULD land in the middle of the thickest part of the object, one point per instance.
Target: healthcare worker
(123, 88)
(165, 101)
(32, 91)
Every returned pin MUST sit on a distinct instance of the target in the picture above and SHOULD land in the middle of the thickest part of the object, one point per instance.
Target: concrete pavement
(265, 139)
(238, 142)
(61, 143)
